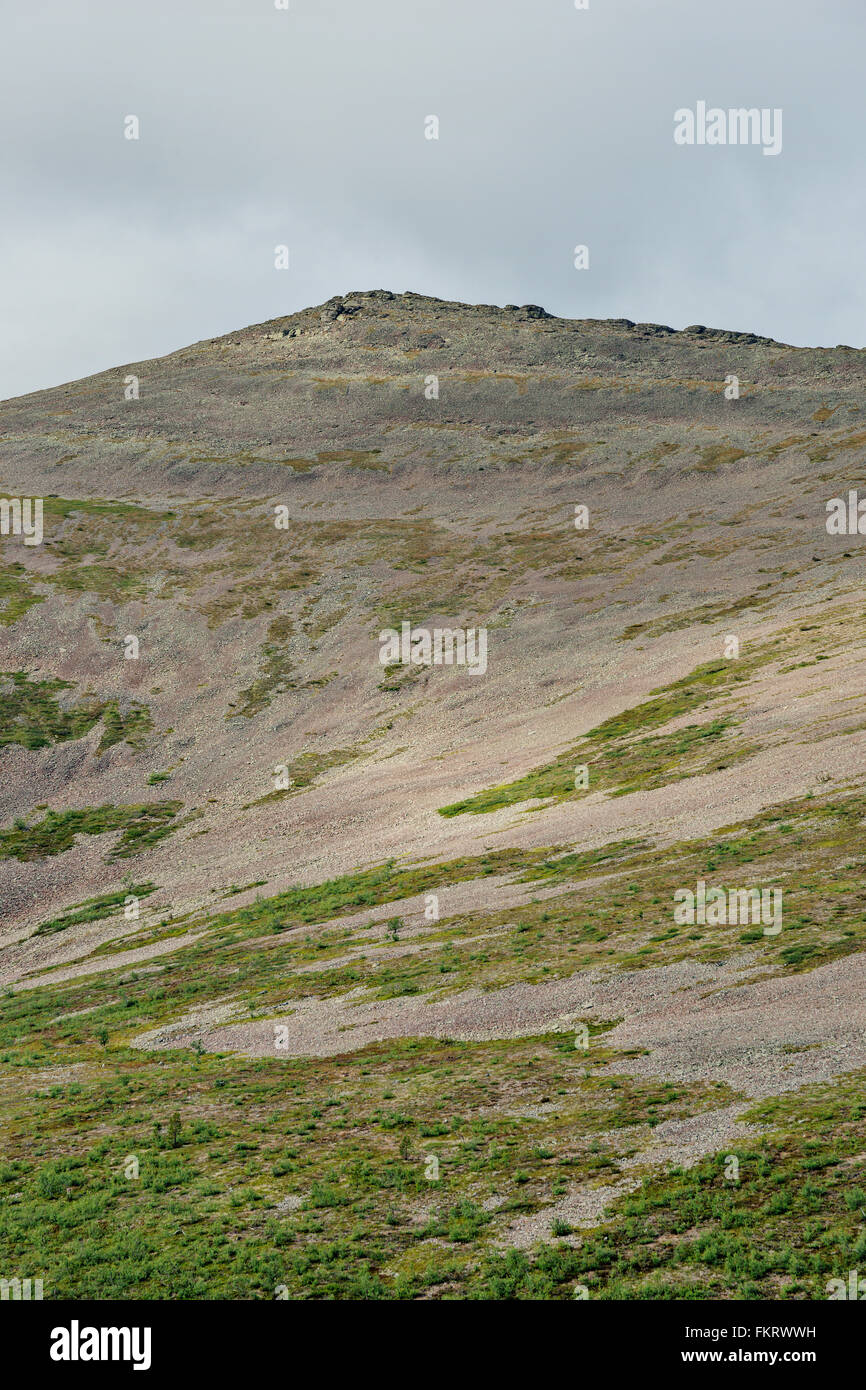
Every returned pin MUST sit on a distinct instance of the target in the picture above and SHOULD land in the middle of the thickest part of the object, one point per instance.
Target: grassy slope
(348, 1140)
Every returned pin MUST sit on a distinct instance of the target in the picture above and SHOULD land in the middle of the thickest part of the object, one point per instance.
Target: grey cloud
(306, 127)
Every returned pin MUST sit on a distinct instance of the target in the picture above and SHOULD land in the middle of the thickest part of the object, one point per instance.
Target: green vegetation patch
(370, 887)
(94, 909)
(306, 769)
(198, 1176)
(275, 671)
(615, 758)
(790, 1221)
(131, 725)
(142, 825)
(16, 594)
(32, 716)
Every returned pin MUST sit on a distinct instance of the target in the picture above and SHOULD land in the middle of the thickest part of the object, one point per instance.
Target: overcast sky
(306, 127)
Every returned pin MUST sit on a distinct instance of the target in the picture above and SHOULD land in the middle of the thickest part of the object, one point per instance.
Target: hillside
(413, 983)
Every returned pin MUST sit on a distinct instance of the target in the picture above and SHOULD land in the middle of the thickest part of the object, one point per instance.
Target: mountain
(411, 962)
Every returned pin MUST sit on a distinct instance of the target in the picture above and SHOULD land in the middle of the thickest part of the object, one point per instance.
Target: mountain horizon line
(352, 301)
